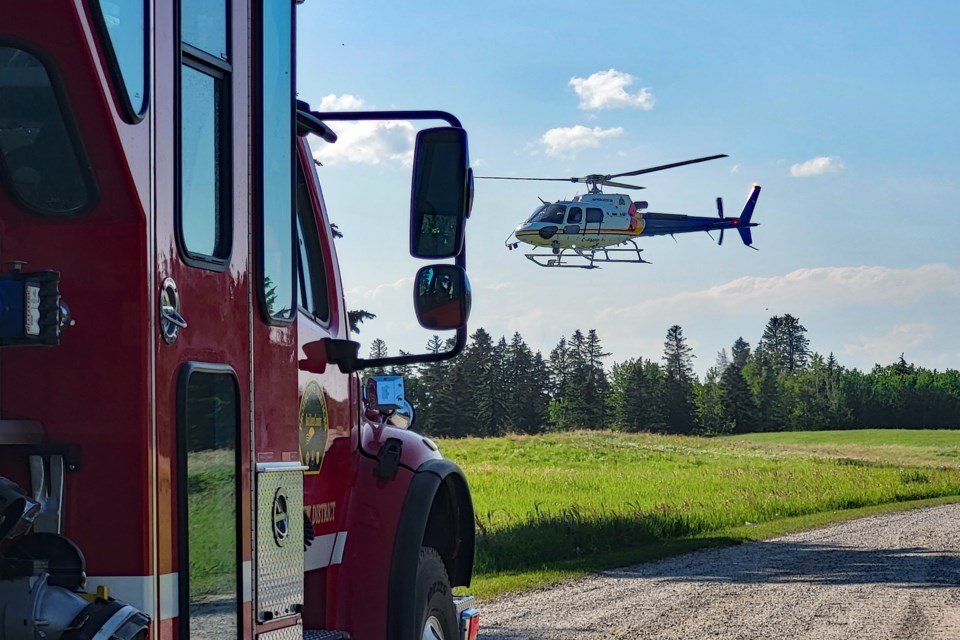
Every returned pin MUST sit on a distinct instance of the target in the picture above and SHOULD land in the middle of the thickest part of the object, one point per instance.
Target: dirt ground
(889, 576)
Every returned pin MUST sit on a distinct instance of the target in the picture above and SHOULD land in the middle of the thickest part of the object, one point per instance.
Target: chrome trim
(274, 467)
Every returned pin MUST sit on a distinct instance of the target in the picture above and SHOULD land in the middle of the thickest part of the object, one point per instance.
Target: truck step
(323, 634)
(463, 603)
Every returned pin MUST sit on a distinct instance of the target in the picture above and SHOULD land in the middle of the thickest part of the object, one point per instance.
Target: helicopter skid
(578, 258)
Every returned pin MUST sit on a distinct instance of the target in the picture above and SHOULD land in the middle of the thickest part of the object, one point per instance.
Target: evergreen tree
(739, 411)
(761, 372)
(740, 353)
(481, 364)
(432, 376)
(599, 385)
(354, 318)
(559, 372)
(539, 397)
(378, 349)
(785, 342)
(526, 395)
(678, 366)
(578, 412)
(708, 399)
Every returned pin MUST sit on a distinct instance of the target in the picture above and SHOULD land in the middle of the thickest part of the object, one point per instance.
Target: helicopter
(590, 229)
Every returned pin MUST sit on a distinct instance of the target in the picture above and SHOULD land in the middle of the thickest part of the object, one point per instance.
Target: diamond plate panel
(320, 634)
(297, 632)
(293, 632)
(279, 591)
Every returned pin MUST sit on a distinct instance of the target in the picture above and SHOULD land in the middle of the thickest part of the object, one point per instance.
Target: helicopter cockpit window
(575, 215)
(551, 213)
(533, 216)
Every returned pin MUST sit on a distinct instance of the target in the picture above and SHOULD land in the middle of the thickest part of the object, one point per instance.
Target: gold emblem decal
(314, 427)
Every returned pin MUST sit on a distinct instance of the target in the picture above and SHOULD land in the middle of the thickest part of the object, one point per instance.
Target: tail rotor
(720, 213)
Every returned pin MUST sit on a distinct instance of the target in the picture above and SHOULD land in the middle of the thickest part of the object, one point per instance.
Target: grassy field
(560, 505)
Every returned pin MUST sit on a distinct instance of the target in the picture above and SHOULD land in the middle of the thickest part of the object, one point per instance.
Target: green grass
(556, 506)
(211, 481)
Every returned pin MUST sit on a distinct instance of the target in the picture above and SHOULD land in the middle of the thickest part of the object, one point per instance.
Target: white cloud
(567, 140)
(607, 90)
(808, 289)
(403, 286)
(817, 166)
(901, 338)
(869, 313)
(346, 102)
(365, 142)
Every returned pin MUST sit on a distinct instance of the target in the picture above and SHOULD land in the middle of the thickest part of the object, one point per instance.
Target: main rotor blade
(512, 178)
(620, 185)
(666, 166)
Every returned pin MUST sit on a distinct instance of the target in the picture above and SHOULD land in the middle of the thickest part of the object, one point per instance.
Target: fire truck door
(202, 353)
(327, 400)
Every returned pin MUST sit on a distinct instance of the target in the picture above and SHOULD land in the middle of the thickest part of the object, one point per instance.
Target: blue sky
(846, 114)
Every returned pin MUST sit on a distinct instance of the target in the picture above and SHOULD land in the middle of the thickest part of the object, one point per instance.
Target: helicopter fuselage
(597, 220)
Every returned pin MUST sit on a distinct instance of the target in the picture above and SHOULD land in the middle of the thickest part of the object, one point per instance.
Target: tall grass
(549, 501)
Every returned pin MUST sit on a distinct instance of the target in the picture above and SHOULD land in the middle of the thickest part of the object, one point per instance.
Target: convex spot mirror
(442, 193)
(385, 395)
(441, 297)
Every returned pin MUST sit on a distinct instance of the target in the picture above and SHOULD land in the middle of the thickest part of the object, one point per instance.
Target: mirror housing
(441, 194)
(442, 297)
(441, 170)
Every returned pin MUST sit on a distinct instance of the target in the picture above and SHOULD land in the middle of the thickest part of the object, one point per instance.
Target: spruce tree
(678, 365)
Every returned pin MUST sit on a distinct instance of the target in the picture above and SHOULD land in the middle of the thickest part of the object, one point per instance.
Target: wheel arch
(437, 512)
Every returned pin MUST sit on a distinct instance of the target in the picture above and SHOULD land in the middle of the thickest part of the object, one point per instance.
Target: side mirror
(442, 193)
(441, 297)
(384, 396)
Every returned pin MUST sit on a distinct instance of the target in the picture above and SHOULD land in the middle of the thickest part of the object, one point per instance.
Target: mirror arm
(388, 115)
(343, 353)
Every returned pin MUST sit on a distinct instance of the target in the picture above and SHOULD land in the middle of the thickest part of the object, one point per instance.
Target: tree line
(497, 386)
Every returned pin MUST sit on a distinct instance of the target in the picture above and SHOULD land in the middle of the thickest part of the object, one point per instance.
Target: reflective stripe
(247, 570)
(338, 548)
(325, 551)
(137, 591)
(169, 596)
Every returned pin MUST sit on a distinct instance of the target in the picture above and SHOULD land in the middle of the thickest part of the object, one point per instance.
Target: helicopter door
(594, 220)
(574, 216)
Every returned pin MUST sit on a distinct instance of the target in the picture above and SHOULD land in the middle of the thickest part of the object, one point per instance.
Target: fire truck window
(276, 126)
(203, 24)
(40, 161)
(594, 216)
(123, 23)
(210, 502)
(311, 270)
(204, 212)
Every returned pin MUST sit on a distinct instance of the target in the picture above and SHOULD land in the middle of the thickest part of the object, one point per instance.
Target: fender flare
(437, 493)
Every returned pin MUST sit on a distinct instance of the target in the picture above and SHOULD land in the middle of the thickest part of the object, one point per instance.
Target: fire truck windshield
(40, 159)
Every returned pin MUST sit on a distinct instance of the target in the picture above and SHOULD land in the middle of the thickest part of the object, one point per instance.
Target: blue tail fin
(746, 214)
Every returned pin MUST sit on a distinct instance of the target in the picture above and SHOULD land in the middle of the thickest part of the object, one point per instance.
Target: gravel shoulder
(888, 576)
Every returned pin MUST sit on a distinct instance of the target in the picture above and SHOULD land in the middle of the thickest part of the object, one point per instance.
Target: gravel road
(889, 576)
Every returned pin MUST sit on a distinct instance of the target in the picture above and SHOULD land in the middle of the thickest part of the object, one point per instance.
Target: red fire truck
(187, 447)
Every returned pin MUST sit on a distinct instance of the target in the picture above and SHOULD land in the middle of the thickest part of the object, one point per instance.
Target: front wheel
(438, 615)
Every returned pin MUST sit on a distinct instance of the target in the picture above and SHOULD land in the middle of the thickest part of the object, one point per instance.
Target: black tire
(438, 615)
